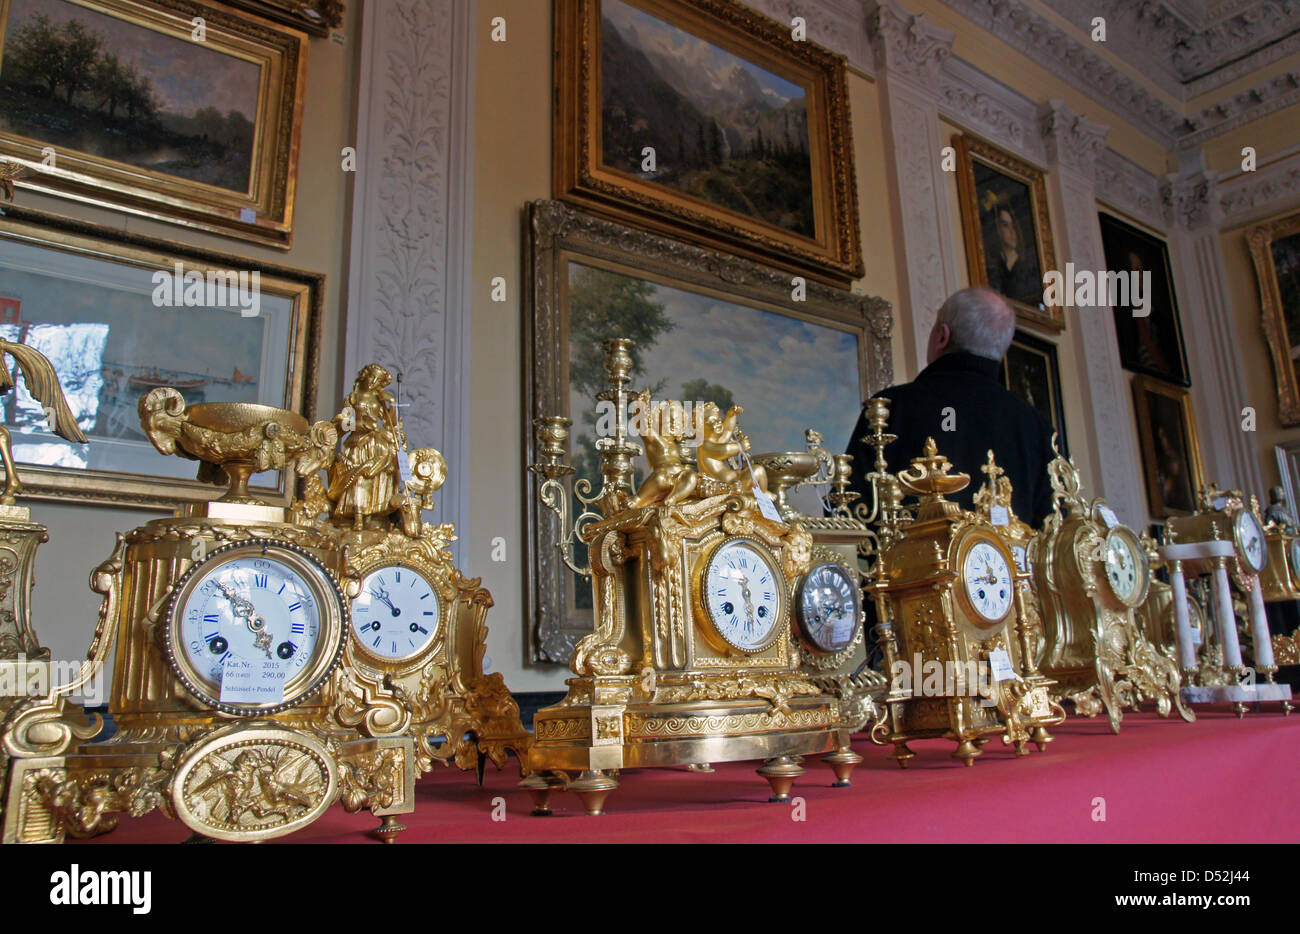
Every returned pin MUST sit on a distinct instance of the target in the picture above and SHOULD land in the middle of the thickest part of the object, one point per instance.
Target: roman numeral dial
(396, 616)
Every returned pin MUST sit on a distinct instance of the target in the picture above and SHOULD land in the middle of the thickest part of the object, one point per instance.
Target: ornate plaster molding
(1188, 201)
(408, 289)
(1243, 196)
(906, 43)
(1072, 140)
(1239, 109)
(985, 106)
(1129, 188)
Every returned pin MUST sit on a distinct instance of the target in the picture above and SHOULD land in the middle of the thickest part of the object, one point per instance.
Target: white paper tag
(247, 216)
(841, 630)
(1022, 559)
(765, 504)
(1196, 635)
(1108, 516)
(252, 682)
(404, 466)
(999, 515)
(1219, 502)
(1000, 662)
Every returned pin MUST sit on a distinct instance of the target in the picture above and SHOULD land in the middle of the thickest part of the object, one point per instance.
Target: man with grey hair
(958, 400)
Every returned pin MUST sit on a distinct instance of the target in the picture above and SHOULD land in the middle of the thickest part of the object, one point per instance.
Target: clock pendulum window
(692, 659)
(1092, 573)
(950, 616)
(1226, 541)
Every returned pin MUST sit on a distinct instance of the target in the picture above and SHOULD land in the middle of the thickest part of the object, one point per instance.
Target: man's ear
(945, 336)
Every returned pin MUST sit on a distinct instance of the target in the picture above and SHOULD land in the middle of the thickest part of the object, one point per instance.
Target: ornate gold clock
(946, 593)
(1280, 578)
(692, 659)
(1091, 573)
(828, 603)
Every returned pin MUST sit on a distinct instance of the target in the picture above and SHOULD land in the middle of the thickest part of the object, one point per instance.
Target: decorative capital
(1190, 201)
(1073, 141)
(906, 44)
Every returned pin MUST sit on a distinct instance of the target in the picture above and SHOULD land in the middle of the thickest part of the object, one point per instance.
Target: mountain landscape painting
(75, 78)
(723, 129)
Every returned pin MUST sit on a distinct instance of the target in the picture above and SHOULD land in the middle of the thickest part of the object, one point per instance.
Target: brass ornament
(661, 680)
(1094, 647)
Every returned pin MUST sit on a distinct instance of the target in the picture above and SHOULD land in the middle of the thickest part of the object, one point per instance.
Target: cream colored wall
(82, 536)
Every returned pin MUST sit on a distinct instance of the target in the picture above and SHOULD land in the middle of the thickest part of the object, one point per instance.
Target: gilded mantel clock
(1091, 573)
(829, 610)
(946, 594)
(693, 658)
(1226, 540)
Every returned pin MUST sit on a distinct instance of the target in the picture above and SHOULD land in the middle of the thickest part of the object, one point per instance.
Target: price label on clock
(1000, 515)
(255, 682)
(1000, 663)
(1108, 516)
(841, 630)
(404, 466)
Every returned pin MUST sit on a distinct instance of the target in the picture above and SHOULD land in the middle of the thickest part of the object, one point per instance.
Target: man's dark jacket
(984, 416)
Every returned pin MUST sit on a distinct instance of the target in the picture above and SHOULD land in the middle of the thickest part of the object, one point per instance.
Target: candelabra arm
(555, 497)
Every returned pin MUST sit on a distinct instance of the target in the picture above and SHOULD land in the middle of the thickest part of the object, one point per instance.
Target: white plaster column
(1073, 144)
(909, 54)
(1230, 456)
(408, 304)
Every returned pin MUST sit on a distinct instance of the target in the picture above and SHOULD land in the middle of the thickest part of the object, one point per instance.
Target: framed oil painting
(1150, 343)
(1031, 371)
(1171, 455)
(708, 327)
(704, 120)
(1008, 233)
(131, 105)
(1275, 248)
(119, 315)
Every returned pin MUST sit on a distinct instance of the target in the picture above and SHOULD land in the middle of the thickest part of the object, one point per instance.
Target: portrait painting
(128, 102)
(1275, 250)
(1030, 370)
(707, 120)
(1150, 343)
(1007, 233)
(1171, 457)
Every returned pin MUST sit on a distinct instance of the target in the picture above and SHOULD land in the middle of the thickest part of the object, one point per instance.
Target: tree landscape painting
(75, 78)
(723, 129)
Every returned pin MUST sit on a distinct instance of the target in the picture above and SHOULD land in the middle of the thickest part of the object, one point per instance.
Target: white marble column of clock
(1259, 628)
(1195, 559)
(909, 55)
(1182, 618)
(1073, 145)
(1192, 208)
(1225, 619)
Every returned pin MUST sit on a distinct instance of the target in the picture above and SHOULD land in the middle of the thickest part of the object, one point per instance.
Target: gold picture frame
(1265, 242)
(136, 146)
(1171, 453)
(728, 187)
(88, 297)
(1014, 188)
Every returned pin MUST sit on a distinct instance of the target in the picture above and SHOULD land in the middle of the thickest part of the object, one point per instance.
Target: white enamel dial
(829, 607)
(1250, 539)
(744, 595)
(1295, 557)
(262, 607)
(987, 579)
(397, 614)
(1121, 568)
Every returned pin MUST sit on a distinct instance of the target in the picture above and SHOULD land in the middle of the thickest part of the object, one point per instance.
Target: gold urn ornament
(1092, 573)
(692, 660)
(946, 591)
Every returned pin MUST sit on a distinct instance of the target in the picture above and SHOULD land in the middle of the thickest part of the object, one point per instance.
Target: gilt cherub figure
(722, 440)
(672, 479)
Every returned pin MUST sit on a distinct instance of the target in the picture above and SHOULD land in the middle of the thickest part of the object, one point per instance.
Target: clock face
(1250, 540)
(1126, 568)
(397, 614)
(744, 595)
(829, 607)
(1022, 558)
(255, 627)
(986, 577)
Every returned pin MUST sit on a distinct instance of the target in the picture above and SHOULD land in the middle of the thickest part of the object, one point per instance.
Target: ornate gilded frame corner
(833, 255)
(281, 52)
(971, 149)
(314, 17)
(1272, 319)
(305, 289)
(1146, 436)
(556, 234)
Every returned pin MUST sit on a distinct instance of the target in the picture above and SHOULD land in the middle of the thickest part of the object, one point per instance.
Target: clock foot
(1021, 749)
(842, 762)
(593, 787)
(389, 828)
(1240, 709)
(902, 754)
(1287, 708)
(1040, 738)
(966, 751)
(539, 789)
(699, 767)
(780, 773)
(980, 740)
